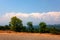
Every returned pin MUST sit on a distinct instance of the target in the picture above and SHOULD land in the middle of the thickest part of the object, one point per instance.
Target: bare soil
(27, 36)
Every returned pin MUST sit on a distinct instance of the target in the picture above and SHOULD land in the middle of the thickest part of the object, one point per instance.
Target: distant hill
(56, 26)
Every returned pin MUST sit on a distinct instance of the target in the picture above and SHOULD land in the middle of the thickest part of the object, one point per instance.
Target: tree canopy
(42, 27)
(16, 24)
(30, 25)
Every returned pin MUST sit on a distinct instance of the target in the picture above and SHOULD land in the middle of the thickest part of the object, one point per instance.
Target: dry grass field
(27, 36)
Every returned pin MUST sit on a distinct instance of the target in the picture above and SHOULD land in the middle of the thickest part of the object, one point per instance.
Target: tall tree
(16, 24)
(30, 25)
(42, 27)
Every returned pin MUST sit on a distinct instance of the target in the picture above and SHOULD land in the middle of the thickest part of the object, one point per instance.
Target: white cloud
(49, 17)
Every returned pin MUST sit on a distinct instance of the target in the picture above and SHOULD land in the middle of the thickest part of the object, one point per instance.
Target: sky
(30, 10)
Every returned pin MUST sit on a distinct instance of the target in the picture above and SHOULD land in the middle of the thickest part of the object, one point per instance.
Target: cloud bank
(36, 18)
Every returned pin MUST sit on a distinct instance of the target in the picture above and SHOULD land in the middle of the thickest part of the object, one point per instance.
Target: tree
(6, 27)
(30, 25)
(2, 28)
(42, 26)
(16, 24)
(53, 30)
(24, 29)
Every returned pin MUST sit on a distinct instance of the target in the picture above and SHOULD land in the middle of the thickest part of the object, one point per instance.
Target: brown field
(6, 35)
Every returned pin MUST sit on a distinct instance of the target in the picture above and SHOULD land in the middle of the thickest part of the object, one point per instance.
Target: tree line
(16, 25)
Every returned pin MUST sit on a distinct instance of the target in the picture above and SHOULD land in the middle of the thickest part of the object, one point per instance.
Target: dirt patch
(27, 36)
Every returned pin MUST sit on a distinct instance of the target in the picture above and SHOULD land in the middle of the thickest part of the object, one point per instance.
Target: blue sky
(29, 6)
(30, 10)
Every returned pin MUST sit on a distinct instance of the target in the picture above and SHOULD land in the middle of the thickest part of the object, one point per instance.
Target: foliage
(6, 27)
(42, 27)
(16, 24)
(53, 30)
(2, 28)
(24, 29)
(30, 25)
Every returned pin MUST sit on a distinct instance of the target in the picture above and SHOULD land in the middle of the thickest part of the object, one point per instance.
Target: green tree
(53, 30)
(24, 29)
(30, 25)
(16, 24)
(42, 26)
(7, 27)
(2, 28)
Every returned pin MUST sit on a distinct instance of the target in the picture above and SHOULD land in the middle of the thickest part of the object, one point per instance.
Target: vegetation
(16, 25)
(42, 27)
(30, 27)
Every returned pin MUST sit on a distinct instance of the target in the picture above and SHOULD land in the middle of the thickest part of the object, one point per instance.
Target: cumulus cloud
(49, 17)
